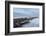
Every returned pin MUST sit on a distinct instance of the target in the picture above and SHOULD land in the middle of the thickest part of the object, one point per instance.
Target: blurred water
(33, 23)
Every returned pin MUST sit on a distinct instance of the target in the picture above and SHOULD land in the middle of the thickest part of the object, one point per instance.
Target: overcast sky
(25, 12)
